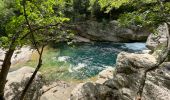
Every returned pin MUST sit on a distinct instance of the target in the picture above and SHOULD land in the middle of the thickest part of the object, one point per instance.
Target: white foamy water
(77, 68)
(107, 66)
(135, 46)
(63, 58)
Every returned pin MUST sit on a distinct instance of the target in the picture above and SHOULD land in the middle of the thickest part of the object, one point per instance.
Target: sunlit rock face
(157, 85)
(128, 76)
(156, 39)
(21, 55)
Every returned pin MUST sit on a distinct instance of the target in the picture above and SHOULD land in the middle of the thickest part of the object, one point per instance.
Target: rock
(16, 82)
(131, 62)
(80, 39)
(20, 55)
(105, 75)
(156, 39)
(146, 51)
(157, 85)
(57, 91)
(126, 81)
(91, 91)
(2, 52)
(97, 31)
(130, 69)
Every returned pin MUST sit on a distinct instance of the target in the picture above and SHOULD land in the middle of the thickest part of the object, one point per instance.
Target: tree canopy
(127, 12)
(147, 12)
(41, 14)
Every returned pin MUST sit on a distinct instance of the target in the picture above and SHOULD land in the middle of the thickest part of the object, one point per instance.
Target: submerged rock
(16, 82)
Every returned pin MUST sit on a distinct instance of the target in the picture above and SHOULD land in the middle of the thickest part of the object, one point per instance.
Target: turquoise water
(88, 59)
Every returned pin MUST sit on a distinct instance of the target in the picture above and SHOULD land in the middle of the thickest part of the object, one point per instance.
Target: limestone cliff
(98, 31)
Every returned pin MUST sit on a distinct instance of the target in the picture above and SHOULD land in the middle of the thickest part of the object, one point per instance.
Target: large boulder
(157, 85)
(16, 82)
(130, 68)
(128, 76)
(98, 31)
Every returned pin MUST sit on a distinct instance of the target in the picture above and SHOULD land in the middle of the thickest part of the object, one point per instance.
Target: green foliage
(38, 12)
(1, 5)
(112, 3)
(146, 13)
(148, 9)
(80, 9)
(146, 18)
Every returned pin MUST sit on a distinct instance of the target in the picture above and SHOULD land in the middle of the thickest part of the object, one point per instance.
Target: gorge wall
(99, 31)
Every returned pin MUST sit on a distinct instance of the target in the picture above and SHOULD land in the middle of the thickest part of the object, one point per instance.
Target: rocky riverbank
(136, 76)
(40, 89)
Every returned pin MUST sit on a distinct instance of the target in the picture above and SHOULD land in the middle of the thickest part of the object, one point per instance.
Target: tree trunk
(33, 75)
(4, 71)
(7, 64)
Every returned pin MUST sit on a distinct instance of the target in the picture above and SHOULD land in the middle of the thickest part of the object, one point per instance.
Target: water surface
(80, 61)
(85, 60)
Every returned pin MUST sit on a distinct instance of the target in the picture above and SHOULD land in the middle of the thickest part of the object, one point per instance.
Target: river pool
(82, 60)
